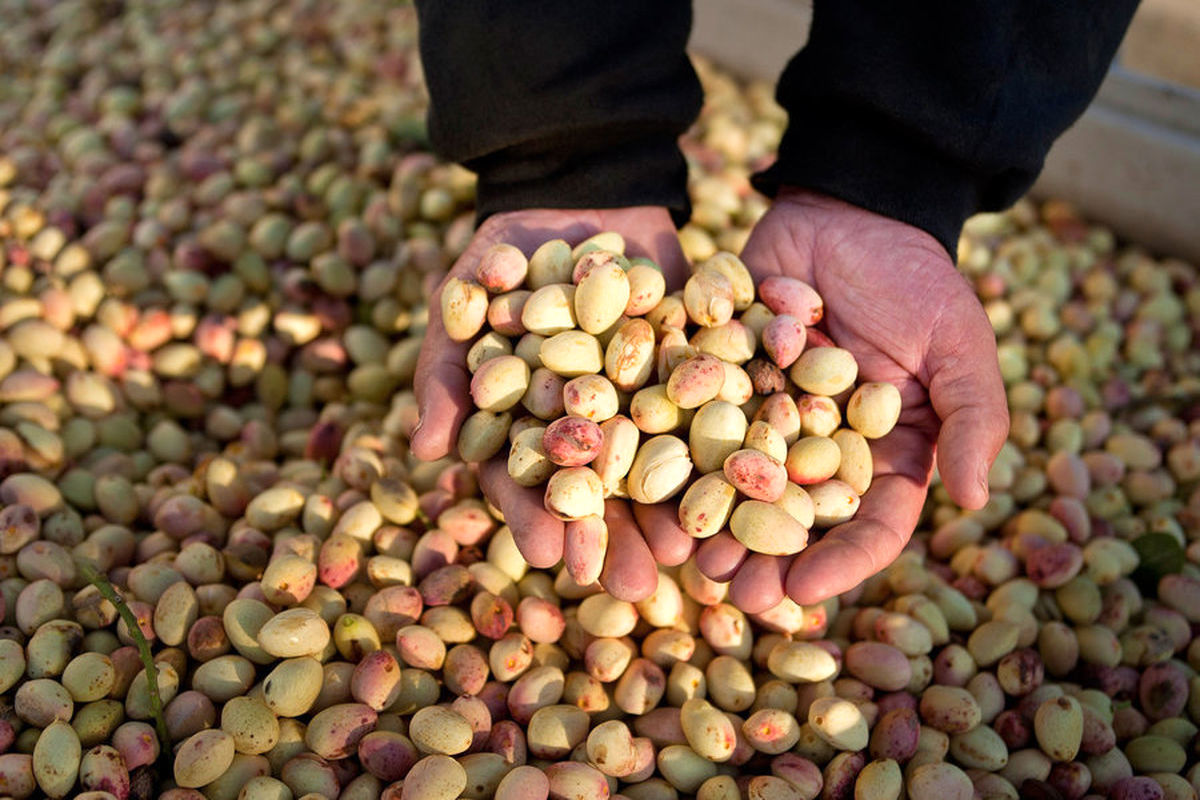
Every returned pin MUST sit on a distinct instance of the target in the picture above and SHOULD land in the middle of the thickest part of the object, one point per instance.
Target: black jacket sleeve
(929, 112)
(925, 112)
(562, 104)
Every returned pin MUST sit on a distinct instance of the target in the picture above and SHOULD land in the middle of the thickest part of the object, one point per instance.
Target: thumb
(967, 393)
(442, 387)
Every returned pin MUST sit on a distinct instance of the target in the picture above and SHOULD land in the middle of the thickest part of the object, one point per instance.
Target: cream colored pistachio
(717, 430)
(873, 409)
(464, 308)
(660, 470)
(550, 310)
(575, 493)
(707, 505)
(767, 528)
(824, 370)
(572, 353)
(600, 297)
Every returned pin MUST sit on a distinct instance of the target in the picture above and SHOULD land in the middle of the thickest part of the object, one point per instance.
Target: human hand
(895, 300)
(442, 385)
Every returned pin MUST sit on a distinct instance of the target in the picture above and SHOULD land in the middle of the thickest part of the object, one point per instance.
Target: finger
(719, 557)
(768, 250)
(538, 535)
(907, 451)
(670, 544)
(967, 392)
(856, 550)
(585, 545)
(442, 386)
(758, 584)
(629, 570)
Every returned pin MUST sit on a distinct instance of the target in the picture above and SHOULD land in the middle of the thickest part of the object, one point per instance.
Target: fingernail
(416, 428)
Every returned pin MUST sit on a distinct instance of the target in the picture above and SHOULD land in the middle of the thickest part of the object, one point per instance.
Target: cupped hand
(895, 300)
(638, 535)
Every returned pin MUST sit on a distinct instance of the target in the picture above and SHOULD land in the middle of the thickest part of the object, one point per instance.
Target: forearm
(562, 105)
(929, 113)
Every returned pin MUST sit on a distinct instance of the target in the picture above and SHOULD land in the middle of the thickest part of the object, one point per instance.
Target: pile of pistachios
(224, 575)
(579, 352)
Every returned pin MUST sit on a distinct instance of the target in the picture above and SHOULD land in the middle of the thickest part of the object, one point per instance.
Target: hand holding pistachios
(894, 300)
(718, 402)
(452, 369)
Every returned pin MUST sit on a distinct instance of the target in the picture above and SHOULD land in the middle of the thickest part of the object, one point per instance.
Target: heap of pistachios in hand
(717, 397)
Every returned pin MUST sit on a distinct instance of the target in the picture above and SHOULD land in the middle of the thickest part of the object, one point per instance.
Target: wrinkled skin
(892, 297)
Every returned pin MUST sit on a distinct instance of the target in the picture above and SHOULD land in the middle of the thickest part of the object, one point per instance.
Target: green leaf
(1159, 554)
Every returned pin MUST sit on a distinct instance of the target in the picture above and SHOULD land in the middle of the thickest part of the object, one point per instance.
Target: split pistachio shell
(575, 493)
(629, 356)
(740, 280)
(708, 298)
(660, 470)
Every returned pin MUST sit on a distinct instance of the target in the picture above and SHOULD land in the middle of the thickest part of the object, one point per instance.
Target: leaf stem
(156, 707)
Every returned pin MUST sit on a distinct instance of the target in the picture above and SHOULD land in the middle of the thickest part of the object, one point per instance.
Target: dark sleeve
(929, 112)
(562, 104)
